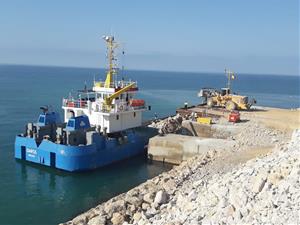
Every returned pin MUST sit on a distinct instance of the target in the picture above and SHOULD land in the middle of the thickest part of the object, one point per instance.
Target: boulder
(150, 212)
(192, 195)
(117, 206)
(170, 186)
(133, 200)
(145, 206)
(137, 216)
(198, 183)
(81, 219)
(98, 220)
(229, 211)
(117, 219)
(161, 197)
(274, 178)
(258, 184)
(149, 197)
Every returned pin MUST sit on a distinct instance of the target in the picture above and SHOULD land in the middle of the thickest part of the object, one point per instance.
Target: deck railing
(101, 107)
(116, 84)
(75, 103)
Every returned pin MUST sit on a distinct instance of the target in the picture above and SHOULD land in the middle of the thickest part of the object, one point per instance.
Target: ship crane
(108, 100)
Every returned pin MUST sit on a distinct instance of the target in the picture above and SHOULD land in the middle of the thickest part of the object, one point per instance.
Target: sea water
(33, 194)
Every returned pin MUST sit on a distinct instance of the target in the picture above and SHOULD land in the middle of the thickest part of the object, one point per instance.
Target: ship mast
(230, 76)
(112, 67)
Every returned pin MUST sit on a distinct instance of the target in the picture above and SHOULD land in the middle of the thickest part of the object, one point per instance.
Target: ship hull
(80, 158)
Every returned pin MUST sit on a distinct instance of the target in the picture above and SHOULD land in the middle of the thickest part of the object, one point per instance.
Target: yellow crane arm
(109, 99)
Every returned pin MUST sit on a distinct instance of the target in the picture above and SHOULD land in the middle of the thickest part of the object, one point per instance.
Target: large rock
(170, 186)
(149, 197)
(192, 195)
(81, 219)
(150, 212)
(258, 184)
(98, 220)
(223, 202)
(131, 209)
(229, 211)
(117, 206)
(137, 216)
(161, 197)
(133, 200)
(198, 183)
(274, 178)
(145, 206)
(117, 219)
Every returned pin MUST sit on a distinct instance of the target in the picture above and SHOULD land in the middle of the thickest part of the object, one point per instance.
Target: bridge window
(117, 117)
(134, 114)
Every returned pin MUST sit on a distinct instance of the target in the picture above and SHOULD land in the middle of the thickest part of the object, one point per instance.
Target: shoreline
(160, 199)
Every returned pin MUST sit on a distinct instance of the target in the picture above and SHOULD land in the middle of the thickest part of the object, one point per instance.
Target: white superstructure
(110, 105)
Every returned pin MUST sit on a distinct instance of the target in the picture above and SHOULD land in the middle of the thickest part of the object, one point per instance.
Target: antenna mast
(230, 76)
(112, 65)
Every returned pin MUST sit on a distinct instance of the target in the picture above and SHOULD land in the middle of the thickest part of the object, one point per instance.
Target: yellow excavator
(224, 98)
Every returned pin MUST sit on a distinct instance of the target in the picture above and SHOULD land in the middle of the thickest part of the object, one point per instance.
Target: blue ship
(95, 149)
(101, 126)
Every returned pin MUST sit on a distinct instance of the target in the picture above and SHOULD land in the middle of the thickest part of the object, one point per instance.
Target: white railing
(116, 84)
(75, 103)
(101, 107)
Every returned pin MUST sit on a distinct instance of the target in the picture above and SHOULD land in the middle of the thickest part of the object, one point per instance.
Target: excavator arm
(109, 99)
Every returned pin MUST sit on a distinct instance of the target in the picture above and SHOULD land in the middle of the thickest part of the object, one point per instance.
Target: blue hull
(79, 158)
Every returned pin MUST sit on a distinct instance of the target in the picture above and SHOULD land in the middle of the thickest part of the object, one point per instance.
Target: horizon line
(151, 70)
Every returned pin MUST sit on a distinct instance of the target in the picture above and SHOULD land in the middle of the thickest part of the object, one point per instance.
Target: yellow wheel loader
(224, 98)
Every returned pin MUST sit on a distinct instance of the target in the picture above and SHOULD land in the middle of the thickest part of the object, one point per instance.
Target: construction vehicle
(234, 116)
(224, 98)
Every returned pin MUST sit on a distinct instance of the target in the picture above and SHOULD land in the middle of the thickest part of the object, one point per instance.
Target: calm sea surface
(37, 195)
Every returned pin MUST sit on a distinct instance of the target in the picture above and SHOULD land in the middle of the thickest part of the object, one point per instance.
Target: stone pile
(264, 190)
(256, 134)
(144, 201)
(169, 125)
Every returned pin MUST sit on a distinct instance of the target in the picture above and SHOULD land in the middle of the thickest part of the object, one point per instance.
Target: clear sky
(248, 36)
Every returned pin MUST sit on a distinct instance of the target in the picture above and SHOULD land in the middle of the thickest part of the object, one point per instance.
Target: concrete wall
(208, 131)
(174, 148)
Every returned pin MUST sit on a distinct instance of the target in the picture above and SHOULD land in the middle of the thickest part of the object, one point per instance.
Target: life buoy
(121, 108)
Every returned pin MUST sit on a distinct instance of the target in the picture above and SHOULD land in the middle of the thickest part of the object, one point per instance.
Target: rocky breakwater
(145, 201)
(262, 191)
(218, 186)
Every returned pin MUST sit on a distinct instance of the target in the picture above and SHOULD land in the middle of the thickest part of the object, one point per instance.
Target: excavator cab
(225, 91)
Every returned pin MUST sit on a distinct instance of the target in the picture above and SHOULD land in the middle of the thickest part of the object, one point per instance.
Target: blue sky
(253, 36)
